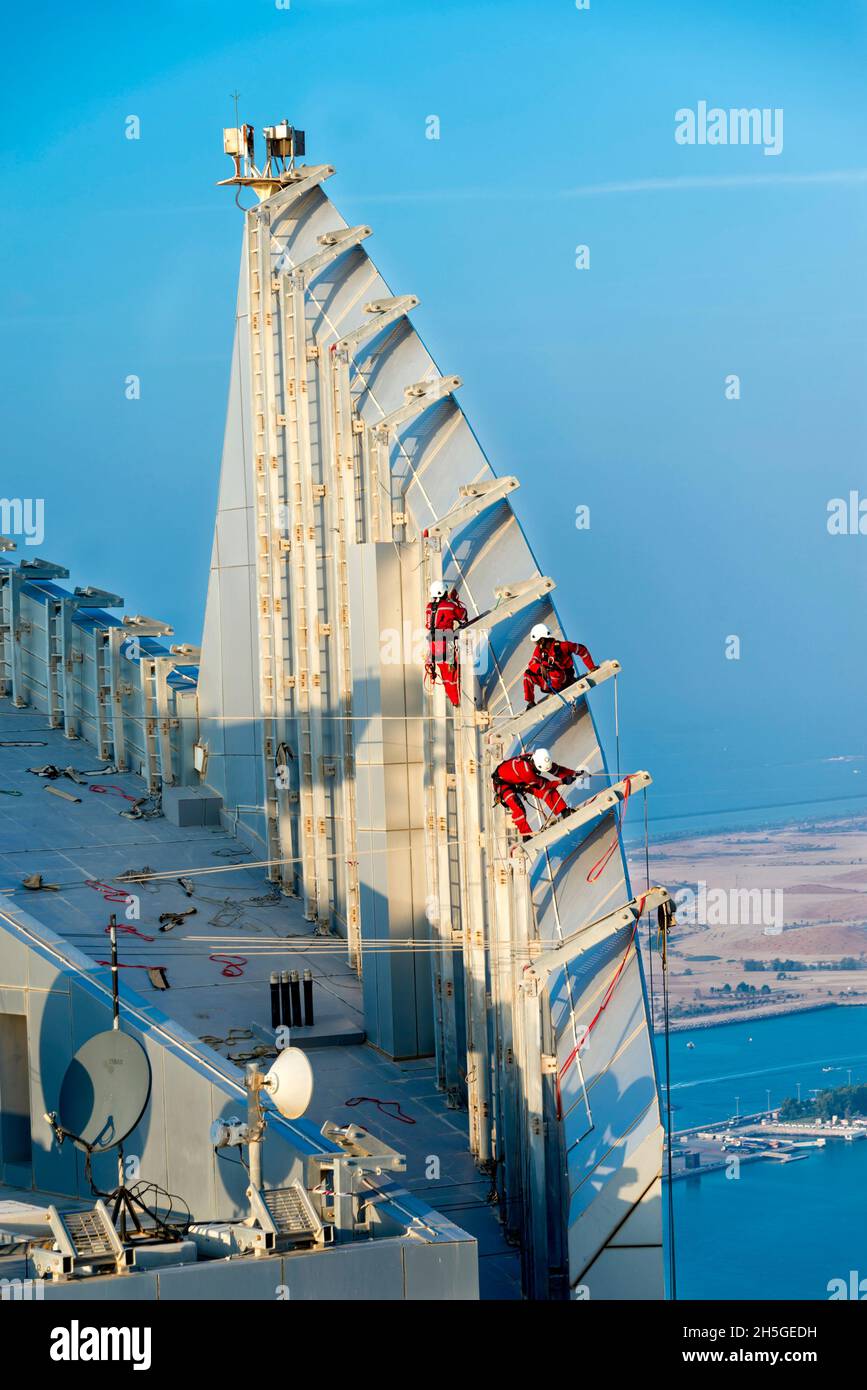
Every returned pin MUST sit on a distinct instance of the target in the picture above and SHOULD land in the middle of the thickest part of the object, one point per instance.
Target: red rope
(233, 966)
(606, 1000)
(111, 787)
(109, 891)
(131, 931)
(600, 864)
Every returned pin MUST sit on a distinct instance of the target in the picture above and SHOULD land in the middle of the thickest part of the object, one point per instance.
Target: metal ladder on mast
(271, 520)
(54, 660)
(305, 604)
(342, 497)
(102, 663)
(347, 506)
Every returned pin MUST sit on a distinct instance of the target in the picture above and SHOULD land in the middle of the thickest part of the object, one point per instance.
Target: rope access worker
(444, 615)
(519, 777)
(551, 667)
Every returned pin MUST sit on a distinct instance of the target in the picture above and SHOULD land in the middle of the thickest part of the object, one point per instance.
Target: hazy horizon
(602, 387)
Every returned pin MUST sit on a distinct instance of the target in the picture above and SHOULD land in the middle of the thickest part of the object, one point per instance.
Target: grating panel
(289, 1212)
(88, 1233)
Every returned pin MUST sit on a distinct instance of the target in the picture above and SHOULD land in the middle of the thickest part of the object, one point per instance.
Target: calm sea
(778, 1230)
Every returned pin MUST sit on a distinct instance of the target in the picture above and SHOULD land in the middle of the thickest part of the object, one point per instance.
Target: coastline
(810, 878)
(684, 1025)
(855, 816)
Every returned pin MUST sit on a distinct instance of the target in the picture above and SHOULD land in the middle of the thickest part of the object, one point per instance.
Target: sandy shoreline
(771, 921)
(684, 1025)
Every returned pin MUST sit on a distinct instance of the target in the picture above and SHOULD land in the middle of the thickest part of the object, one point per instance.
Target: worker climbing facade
(552, 666)
(517, 778)
(444, 617)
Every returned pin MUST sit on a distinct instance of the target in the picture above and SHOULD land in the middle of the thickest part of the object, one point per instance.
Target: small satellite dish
(290, 1082)
(105, 1090)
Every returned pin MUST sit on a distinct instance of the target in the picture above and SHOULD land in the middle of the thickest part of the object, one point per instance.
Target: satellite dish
(290, 1082)
(105, 1090)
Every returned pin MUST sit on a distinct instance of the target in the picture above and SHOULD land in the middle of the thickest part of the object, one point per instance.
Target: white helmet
(539, 632)
(542, 760)
(438, 589)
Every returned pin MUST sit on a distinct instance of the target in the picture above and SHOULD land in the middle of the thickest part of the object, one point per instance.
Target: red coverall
(443, 616)
(517, 777)
(552, 668)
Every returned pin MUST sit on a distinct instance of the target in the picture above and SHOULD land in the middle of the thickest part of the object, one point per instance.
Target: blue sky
(602, 387)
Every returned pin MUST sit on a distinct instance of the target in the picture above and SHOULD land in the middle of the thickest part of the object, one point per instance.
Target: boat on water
(272, 864)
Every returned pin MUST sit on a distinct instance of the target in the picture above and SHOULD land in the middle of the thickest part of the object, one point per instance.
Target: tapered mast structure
(351, 480)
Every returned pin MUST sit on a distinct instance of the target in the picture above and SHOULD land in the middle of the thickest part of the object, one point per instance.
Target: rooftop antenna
(103, 1095)
(283, 145)
(279, 1217)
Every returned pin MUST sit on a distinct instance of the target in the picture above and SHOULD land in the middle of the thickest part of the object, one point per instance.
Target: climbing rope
(131, 965)
(111, 787)
(233, 966)
(617, 725)
(606, 1000)
(234, 1036)
(665, 920)
(600, 864)
(129, 931)
(145, 807)
(649, 927)
(386, 1107)
(109, 891)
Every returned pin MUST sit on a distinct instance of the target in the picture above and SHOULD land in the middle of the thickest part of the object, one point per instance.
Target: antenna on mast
(283, 144)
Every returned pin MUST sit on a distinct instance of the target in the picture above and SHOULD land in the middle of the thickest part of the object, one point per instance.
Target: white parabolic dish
(289, 1082)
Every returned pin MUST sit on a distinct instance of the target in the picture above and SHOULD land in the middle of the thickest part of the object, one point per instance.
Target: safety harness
(548, 663)
(430, 669)
(501, 786)
(438, 635)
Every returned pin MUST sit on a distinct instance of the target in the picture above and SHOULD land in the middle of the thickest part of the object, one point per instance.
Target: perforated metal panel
(289, 1212)
(89, 1233)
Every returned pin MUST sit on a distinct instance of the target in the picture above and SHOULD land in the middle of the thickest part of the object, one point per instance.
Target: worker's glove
(578, 775)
